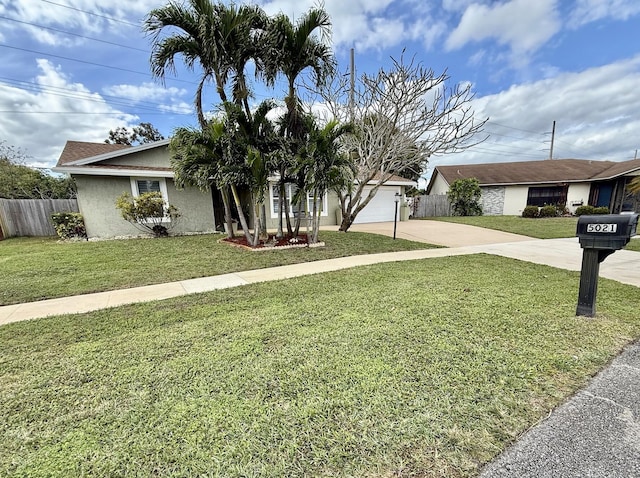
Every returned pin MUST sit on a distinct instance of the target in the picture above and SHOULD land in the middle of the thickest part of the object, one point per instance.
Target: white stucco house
(104, 171)
(508, 187)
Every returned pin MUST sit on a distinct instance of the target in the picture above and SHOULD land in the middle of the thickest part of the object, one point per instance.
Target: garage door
(382, 206)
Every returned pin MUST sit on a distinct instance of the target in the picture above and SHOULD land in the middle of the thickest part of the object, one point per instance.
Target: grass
(634, 245)
(541, 228)
(41, 268)
(422, 369)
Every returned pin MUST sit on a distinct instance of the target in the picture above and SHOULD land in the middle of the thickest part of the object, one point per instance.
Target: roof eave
(83, 171)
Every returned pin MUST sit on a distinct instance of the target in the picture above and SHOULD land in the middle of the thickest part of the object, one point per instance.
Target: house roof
(75, 150)
(536, 172)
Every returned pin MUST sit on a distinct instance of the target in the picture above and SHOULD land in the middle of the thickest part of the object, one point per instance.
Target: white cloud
(587, 11)
(42, 118)
(145, 92)
(595, 112)
(521, 25)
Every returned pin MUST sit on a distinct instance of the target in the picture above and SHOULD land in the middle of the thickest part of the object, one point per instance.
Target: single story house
(508, 187)
(104, 171)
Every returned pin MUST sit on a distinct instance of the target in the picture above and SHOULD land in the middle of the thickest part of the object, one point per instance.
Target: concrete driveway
(623, 266)
(440, 233)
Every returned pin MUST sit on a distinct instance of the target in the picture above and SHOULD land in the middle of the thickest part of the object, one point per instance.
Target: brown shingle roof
(75, 150)
(547, 171)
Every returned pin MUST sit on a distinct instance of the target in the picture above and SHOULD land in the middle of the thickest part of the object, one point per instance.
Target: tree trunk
(228, 220)
(243, 219)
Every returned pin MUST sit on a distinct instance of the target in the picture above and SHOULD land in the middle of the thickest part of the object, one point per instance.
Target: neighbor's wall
(492, 200)
(578, 195)
(97, 197)
(515, 200)
(440, 186)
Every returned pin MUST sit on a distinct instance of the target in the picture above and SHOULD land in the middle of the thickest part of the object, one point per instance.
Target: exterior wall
(578, 195)
(515, 200)
(97, 197)
(492, 200)
(440, 186)
(154, 158)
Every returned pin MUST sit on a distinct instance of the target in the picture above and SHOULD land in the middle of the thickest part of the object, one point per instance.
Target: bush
(548, 211)
(69, 225)
(530, 212)
(465, 195)
(584, 210)
(148, 212)
(601, 210)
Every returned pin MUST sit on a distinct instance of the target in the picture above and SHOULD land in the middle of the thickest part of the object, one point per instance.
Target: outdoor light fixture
(396, 198)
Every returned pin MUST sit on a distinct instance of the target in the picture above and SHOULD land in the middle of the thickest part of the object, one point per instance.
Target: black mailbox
(606, 231)
(599, 237)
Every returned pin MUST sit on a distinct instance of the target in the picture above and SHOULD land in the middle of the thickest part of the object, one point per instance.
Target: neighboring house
(508, 187)
(104, 171)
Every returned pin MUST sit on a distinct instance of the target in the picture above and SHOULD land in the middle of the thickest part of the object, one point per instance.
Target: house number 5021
(602, 227)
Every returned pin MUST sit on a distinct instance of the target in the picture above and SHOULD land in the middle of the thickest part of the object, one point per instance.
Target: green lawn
(427, 368)
(634, 245)
(542, 228)
(41, 268)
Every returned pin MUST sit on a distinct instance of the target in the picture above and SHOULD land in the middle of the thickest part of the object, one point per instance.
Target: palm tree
(218, 37)
(289, 49)
(328, 165)
(634, 186)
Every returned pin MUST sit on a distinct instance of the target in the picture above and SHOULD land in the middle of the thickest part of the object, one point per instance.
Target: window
(290, 190)
(548, 195)
(147, 185)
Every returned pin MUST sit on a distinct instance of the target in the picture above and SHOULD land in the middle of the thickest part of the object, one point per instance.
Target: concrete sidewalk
(623, 266)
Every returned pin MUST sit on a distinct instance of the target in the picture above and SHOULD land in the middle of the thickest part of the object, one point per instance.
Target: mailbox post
(599, 236)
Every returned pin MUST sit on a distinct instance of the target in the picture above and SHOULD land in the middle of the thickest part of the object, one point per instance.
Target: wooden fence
(431, 206)
(31, 217)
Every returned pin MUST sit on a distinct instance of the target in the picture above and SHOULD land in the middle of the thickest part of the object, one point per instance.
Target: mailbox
(606, 231)
(599, 237)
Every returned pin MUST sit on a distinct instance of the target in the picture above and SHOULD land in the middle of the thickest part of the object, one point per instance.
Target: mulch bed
(272, 242)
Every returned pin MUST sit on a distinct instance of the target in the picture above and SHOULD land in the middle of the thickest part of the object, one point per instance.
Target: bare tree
(401, 117)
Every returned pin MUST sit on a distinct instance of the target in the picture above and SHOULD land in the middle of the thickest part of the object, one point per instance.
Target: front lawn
(41, 268)
(634, 245)
(541, 228)
(428, 368)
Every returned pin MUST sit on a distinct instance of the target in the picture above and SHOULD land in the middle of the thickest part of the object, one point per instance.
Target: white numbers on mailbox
(602, 227)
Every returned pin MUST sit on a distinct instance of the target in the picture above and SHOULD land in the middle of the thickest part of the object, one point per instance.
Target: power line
(88, 62)
(73, 34)
(117, 20)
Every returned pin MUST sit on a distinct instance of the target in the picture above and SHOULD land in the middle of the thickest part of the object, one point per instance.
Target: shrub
(464, 195)
(601, 210)
(530, 212)
(148, 212)
(69, 225)
(584, 210)
(548, 211)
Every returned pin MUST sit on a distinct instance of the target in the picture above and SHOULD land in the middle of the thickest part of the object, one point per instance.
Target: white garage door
(382, 206)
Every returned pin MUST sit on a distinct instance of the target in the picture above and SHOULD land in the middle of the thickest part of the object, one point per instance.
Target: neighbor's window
(290, 190)
(551, 195)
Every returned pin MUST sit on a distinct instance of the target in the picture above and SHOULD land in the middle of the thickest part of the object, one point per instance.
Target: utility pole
(352, 86)
(553, 135)
(635, 156)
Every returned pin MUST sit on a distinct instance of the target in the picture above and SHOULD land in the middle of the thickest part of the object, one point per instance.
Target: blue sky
(74, 69)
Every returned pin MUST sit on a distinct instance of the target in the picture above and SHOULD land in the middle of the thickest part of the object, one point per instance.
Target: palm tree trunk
(228, 220)
(243, 219)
